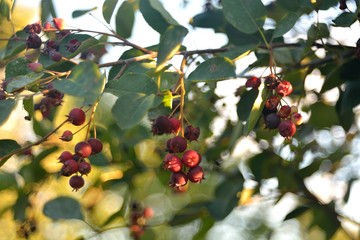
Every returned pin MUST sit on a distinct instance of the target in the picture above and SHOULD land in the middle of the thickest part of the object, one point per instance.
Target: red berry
(196, 174)
(191, 158)
(178, 179)
(59, 23)
(168, 147)
(296, 118)
(76, 182)
(65, 155)
(47, 26)
(272, 103)
(55, 56)
(284, 88)
(161, 125)
(67, 136)
(70, 167)
(174, 125)
(33, 41)
(36, 67)
(84, 168)
(73, 45)
(96, 145)
(284, 111)
(178, 144)
(172, 163)
(77, 116)
(83, 149)
(191, 133)
(272, 121)
(148, 212)
(253, 82)
(287, 128)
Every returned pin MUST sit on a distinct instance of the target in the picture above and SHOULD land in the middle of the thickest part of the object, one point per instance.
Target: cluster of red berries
(51, 98)
(184, 164)
(138, 218)
(278, 116)
(51, 47)
(75, 164)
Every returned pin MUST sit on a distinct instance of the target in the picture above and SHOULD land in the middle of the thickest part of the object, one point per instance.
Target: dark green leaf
(346, 19)
(246, 103)
(296, 212)
(246, 16)
(6, 107)
(214, 69)
(325, 217)
(7, 180)
(20, 206)
(28, 105)
(206, 223)
(47, 9)
(189, 213)
(108, 9)
(318, 31)
(15, 46)
(23, 81)
(264, 165)
(156, 15)
(332, 77)
(170, 43)
(85, 81)
(242, 39)
(125, 19)
(344, 112)
(63, 208)
(5, 8)
(16, 68)
(286, 23)
(310, 169)
(79, 13)
(319, 110)
(256, 109)
(213, 18)
(347, 72)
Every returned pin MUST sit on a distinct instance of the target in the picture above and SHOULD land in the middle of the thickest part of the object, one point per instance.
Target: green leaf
(319, 110)
(214, 69)
(7, 146)
(247, 16)
(85, 81)
(17, 67)
(28, 105)
(332, 77)
(346, 19)
(108, 9)
(246, 103)
(5, 8)
(189, 213)
(47, 9)
(256, 109)
(170, 43)
(286, 23)
(125, 19)
(7, 180)
(6, 107)
(79, 13)
(325, 217)
(297, 212)
(15, 46)
(317, 32)
(156, 15)
(23, 81)
(20, 206)
(213, 18)
(63, 208)
(345, 112)
(264, 165)
(136, 94)
(206, 224)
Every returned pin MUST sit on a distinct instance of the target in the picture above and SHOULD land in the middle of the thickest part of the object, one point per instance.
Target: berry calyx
(284, 88)
(196, 174)
(84, 168)
(191, 133)
(69, 168)
(191, 158)
(77, 116)
(83, 149)
(76, 182)
(287, 128)
(96, 145)
(178, 144)
(67, 136)
(172, 163)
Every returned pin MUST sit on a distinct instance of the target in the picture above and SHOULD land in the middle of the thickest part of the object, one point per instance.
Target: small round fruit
(178, 144)
(178, 179)
(284, 88)
(161, 125)
(55, 56)
(65, 155)
(284, 111)
(67, 136)
(196, 174)
(191, 158)
(36, 67)
(96, 145)
(271, 81)
(174, 124)
(253, 82)
(297, 118)
(83, 149)
(272, 121)
(191, 133)
(76, 182)
(59, 23)
(77, 116)
(287, 128)
(84, 168)
(148, 212)
(69, 168)
(272, 103)
(33, 41)
(172, 162)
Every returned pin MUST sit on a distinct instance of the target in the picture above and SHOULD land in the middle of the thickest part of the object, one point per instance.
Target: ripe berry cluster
(138, 217)
(75, 164)
(52, 98)
(278, 116)
(184, 164)
(51, 47)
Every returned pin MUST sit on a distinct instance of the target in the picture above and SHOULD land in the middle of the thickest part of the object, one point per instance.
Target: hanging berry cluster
(75, 164)
(277, 115)
(138, 218)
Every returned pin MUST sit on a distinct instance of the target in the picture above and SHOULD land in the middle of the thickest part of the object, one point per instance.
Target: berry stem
(182, 93)
(91, 120)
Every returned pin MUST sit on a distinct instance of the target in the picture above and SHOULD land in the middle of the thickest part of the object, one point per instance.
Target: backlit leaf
(63, 208)
(125, 19)
(108, 9)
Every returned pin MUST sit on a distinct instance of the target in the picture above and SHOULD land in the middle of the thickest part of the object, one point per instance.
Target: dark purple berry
(73, 45)
(161, 125)
(191, 133)
(64, 156)
(287, 128)
(272, 121)
(196, 174)
(2, 95)
(96, 145)
(253, 82)
(284, 111)
(69, 168)
(77, 116)
(67, 136)
(178, 144)
(84, 168)
(174, 124)
(33, 41)
(272, 103)
(55, 56)
(76, 182)
(83, 149)
(271, 81)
